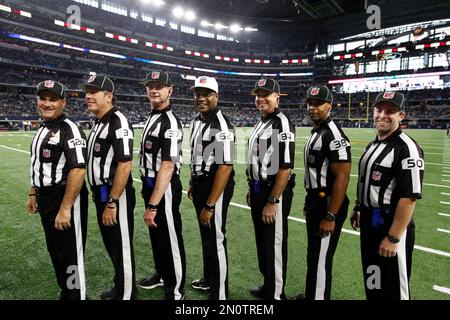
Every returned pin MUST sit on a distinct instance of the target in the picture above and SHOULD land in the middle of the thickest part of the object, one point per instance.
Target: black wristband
(392, 239)
(151, 206)
(32, 194)
(209, 207)
(330, 216)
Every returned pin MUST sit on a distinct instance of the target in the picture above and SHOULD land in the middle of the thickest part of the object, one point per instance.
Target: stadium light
(156, 3)
(178, 12)
(235, 28)
(219, 26)
(190, 15)
(250, 29)
(205, 23)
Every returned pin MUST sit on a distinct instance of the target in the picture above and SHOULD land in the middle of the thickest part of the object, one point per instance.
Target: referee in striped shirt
(327, 161)
(271, 151)
(160, 162)
(211, 188)
(110, 151)
(389, 183)
(58, 191)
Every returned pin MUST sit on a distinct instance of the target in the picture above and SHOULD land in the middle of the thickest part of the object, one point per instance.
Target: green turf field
(26, 271)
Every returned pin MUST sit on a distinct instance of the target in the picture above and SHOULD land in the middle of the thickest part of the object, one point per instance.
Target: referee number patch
(173, 134)
(338, 144)
(224, 136)
(286, 137)
(75, 142)
(412, 163)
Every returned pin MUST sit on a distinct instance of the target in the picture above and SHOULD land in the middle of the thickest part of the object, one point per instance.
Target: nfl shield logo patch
(46, 153)
(376, 176)
(315, 91)
(97, 147)
(91, 78)
(388, 95)
(49, 84)
(155, 75)
(203, 80)
(148, 144)
(311, 158)
(261, 82)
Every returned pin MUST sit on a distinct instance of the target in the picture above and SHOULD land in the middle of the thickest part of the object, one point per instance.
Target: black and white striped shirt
(110, 141)
(212, 142)
(161, 140)
(326, 144)
(57, 147)
(271, 146)
(389, 170)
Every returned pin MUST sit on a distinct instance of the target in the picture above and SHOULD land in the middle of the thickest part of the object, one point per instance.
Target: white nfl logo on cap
(91, 78)
(261, 82)
(203, 80)
(49, 84)
(388, 95)
(315, 91)
(155, 75)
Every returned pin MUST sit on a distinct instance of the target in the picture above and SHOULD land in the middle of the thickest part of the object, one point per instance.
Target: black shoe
(201, 284)
(258, 292)
(151, 282)
(300, 296)
(109, 294)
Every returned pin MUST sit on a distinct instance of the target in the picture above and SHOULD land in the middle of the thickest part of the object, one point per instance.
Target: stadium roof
(305, 20)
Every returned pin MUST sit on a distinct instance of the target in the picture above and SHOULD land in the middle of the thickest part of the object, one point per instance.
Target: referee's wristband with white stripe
(151, 206)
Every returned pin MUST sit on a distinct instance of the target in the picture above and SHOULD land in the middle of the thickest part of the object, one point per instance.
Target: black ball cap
(157, 76)
(51, 86)
(319, 92)
(393, 97)
(100, 83)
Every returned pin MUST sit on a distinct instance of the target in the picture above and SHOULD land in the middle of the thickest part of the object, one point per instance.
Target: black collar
(106, 116)
(208, 116)
(161, 111)
(322, 125)
(392, 136)
(271, 115)
(54, 123)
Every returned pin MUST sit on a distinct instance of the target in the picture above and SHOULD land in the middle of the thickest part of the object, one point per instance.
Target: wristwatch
(330, 216)
(272, 199)
(112, 200)
(393, 239)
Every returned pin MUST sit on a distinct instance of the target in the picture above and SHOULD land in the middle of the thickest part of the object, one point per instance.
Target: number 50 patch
(413, 163)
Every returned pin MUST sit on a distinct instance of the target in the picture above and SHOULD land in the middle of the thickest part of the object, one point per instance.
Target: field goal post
(366, 119)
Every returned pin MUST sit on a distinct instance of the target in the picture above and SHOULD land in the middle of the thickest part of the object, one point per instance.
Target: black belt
(50, 188)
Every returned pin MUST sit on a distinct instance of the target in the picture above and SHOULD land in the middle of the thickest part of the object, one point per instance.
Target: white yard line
(443, 230)
(441, 289)
(444, 202)
(445, 193)
(14, 149)
(443, 214)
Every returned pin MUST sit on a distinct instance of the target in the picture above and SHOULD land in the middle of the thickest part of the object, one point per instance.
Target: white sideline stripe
(443, 230)
(28, 152)
(444, 214)
(445, 180)
(445, 194)
(446, 175)
(444, 202)
(441, 289)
